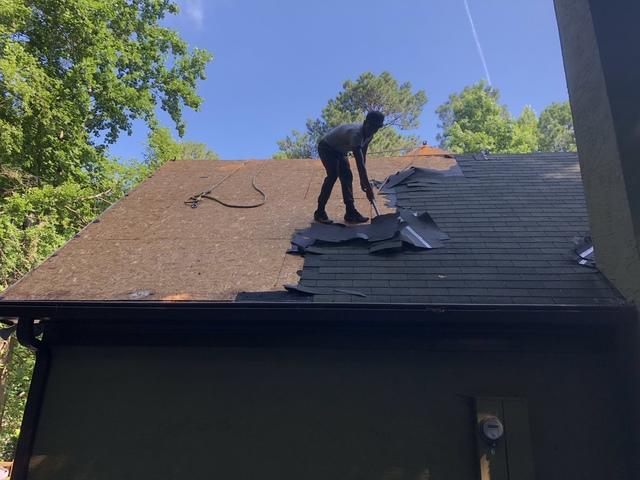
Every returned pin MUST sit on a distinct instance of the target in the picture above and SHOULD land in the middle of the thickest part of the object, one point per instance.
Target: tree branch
(99, 195)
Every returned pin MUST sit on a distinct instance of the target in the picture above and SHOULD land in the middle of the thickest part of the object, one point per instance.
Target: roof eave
(114, 312)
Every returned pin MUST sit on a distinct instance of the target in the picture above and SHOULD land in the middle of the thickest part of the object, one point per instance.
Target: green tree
(196, 151)
(368, 92)
(18, 369)
(75, 74)
(162, 147)
(297, 145)
(474, 120)
(555, 128)
(525, 132)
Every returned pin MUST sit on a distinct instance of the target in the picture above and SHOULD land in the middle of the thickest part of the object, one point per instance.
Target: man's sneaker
(354, 216)
(321, 216)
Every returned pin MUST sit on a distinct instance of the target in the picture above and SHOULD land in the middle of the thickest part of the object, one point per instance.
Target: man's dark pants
(337, 166)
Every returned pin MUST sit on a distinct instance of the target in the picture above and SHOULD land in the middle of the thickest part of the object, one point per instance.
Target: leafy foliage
(196, 151)
(297, 145)
(555, 128)
(162, 147)
(474, 120)
(75, 74)
(401, 107)
(525, 132)
(19, 369)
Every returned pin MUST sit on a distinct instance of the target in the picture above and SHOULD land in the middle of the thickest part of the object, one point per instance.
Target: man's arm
(360, 156)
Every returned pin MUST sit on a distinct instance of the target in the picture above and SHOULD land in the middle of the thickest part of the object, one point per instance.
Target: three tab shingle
(511, 222)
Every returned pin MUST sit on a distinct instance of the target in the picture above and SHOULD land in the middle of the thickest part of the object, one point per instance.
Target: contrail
(475, 37)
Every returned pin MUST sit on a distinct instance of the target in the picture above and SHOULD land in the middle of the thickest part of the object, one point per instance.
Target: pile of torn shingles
(414, 179)
(386, 233)
(389, 233)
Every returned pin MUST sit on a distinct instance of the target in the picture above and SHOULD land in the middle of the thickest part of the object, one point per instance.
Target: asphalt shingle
(511, 219)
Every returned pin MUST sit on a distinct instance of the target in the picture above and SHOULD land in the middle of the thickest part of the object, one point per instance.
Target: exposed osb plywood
(151, 246)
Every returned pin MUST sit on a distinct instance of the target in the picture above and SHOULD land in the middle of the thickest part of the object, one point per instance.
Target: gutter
(16, 308)
(113, 318)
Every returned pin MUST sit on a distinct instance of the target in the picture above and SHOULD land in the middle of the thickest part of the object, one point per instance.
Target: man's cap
(375, 118)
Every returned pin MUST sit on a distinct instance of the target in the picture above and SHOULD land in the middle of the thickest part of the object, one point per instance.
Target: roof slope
(511, 220)
(151, 246)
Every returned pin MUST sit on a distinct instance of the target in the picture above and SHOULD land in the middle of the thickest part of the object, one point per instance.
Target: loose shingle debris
(385, 233)
(414, 178)
(584, 250)
(389, 246)
(420, 230)
(137, 294)
(307, 290)
(417, 176)
(350, 292)
(275, 296)
(304, 290)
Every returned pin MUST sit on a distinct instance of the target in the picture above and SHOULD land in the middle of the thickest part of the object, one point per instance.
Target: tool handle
(375, 208)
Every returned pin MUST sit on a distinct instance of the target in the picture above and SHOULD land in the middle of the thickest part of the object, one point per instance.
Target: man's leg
(346, 182)
(330, 162)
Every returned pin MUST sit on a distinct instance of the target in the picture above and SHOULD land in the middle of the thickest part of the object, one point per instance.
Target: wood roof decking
(151, 246)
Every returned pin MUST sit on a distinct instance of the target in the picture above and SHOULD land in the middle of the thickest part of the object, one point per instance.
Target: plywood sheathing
(151, 246)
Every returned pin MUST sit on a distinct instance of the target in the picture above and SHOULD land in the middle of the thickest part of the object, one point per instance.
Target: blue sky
(277, 63)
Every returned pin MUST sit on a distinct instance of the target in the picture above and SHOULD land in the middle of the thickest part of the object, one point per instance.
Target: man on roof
(333, 149)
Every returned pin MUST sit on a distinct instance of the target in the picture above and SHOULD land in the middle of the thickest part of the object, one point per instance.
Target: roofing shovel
(375, 207)
(372, 200)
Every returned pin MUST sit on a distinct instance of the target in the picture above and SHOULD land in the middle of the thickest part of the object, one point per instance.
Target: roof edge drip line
(79, 309)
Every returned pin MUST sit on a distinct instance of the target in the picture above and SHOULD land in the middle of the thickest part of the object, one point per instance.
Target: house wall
(602, 65)
(318, 413)
(599, 41)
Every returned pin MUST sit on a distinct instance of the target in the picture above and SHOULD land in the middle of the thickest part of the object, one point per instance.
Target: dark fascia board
(333, 325)
(320, 314)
